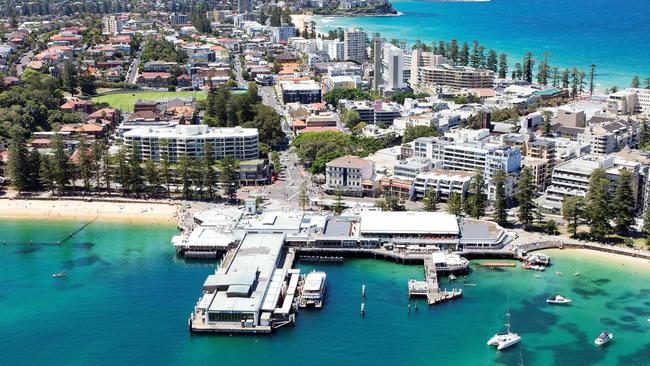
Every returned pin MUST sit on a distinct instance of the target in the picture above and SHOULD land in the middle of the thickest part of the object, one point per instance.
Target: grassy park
(124, 101)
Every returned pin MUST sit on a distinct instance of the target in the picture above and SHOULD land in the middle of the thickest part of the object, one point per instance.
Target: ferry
(313, 291)
(453, 263)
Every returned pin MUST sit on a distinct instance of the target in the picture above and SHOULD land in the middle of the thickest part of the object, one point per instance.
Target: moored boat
(558, 300)
(604, 338)
(313, 291)
(59, 274)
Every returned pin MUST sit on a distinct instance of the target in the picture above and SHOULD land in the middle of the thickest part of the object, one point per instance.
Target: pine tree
(646, 226)
(636, 83)
(229, 178)
(492, 61)
(136, 180)
(183, 170)
(69, 76)
(464, 55)
(477, 198)
(644, 136)
(623, 202)
(303, 197)
(525, 194)
(503, 65)
(565, 79)
(60, 166)
(164, 165)
(85, 165)
(546, 125)
(18, 161)
(430, 201)
(122, 170)
(556, 77)
(46, 175)
(453, 51)
(455, 204)
(500, 213)
(337, 207)
(209, 177)
(573, 210)
(598, 207)
(152, 177)
(528, 67)
(592, 75)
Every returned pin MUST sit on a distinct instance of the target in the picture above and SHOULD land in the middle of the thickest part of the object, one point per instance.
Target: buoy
(363, 290)
(409, 308)
(363, 309)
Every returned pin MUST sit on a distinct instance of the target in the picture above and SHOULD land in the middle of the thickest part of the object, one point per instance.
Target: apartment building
(455, 76)
(282, 33)
(469, 150)
(443, 181)
(153, 142)
(630, 101)
(111, 25)
(348, 174)
(303, 91)
(571, 178)
(377, 112)
(610, 136)
(355, 45)
(392, 67)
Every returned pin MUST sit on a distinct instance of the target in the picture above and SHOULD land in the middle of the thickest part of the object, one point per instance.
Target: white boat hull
(600, 342)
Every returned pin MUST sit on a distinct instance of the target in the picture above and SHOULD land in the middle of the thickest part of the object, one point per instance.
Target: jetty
(430, 288)
(320, 259)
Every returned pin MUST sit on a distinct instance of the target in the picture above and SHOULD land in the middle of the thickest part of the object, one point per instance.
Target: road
(22, 63)
(132, 73)
(238, 73)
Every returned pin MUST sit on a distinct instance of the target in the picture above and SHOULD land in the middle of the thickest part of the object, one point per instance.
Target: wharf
(429, 287)
(197, 324)
(320, 259)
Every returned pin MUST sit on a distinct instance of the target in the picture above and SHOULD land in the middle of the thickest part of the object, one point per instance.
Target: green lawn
(124, 101)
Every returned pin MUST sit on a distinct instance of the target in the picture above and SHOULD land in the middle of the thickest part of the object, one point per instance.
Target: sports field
(124, 101)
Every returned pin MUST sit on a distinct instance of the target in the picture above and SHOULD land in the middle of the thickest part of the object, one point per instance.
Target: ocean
(614, 35)
(127, 297)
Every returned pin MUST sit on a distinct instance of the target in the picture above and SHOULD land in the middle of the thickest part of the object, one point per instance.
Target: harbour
(148, 291)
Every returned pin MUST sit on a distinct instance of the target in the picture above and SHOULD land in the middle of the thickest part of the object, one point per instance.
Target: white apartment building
(607, 137)
(630, 101)
(571, 178)
(111, 25)
(469, 150)
(355, 45)
(282, 33)
(348, 174)
(152, 142)
(416, 59)
(336, 50)
(443, 181)
(392, 67)
(455, 76)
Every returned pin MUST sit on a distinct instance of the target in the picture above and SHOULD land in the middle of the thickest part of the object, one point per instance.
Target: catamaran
(507, 338)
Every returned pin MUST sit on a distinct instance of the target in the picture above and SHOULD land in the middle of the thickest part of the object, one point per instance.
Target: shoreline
(89, 209)
(601, 258)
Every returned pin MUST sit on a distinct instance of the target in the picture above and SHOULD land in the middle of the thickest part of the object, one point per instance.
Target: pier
(319, 259)
(430, 288)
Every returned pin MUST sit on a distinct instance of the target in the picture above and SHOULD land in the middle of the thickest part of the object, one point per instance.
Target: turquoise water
(615, 35)
(126, 300)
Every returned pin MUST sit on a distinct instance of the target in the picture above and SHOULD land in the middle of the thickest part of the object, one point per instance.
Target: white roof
(389, 222)
(313, 281)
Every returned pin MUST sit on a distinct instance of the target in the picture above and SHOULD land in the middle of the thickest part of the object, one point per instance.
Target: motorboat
(452, 277)
(59, 274)
(558, 300)
(505, 339)
(603, 338)
(534, 267)
(538, 259)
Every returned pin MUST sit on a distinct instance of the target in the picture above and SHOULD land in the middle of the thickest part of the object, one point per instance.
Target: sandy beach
(77, 209)
(602, 258)
(299, 20)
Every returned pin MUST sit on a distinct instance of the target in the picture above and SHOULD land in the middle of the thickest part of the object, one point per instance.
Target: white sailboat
(505, 339)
